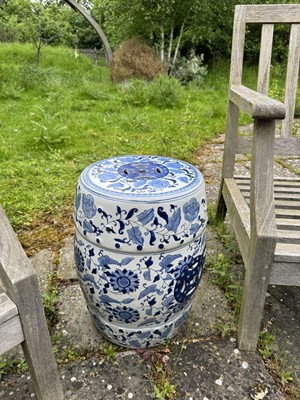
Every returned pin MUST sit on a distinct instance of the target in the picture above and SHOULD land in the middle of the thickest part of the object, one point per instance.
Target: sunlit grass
(67, 114)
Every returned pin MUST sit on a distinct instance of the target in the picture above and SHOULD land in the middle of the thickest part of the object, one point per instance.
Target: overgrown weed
(161, 374)
(276, 362)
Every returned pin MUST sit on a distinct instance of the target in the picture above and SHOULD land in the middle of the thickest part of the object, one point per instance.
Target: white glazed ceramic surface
(140, 245)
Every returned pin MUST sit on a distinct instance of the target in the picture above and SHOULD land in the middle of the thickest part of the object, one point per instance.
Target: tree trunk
(162, 44)
(178, 44)
(38, 53)
(170, 45)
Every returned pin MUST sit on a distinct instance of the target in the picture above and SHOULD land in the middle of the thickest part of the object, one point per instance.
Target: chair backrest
(268, 16)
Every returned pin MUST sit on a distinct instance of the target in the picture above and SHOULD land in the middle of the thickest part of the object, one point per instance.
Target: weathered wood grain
(21, 285)
(287, 213)
(265, 56)
(272, 14)
(11, 333)
(255, 104)
(265, 212)
(286, 252)
(287, 192)
(289, 237)
(291, 81)
(291, 224)
(288, 188)
(282, 146)
(279, 275)
(230, 139)
(237, 50)
(239, 213)
(7, 307)
(263, 234)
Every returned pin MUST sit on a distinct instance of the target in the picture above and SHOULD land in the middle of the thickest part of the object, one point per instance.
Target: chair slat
(279, 191)
(291, 81)
(11, 333)
(281, 203)
(265, 56)
(282, 146)
(290, 224)
(276, 14)
(286, 252)
(287, 212)
(288, 237)
(8, 309)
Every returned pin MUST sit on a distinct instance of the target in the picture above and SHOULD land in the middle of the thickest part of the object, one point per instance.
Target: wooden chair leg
(21, 286)
(37, 346)
(43, 370)
(254, 292)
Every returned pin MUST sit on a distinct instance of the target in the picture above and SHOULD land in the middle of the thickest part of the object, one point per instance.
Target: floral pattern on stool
(140, 245)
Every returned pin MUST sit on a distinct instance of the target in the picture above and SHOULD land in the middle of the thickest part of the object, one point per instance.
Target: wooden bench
(22, 319)
(264, 209)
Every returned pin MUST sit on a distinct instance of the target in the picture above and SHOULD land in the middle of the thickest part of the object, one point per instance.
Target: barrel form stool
(140, 245)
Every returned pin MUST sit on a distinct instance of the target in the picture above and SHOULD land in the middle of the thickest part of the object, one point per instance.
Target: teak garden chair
(22, 319)
(264, 210)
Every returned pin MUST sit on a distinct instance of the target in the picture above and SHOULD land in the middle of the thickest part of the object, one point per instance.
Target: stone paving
(200, 364)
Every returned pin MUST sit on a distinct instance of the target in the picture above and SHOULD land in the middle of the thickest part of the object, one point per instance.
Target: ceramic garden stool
(140, 245)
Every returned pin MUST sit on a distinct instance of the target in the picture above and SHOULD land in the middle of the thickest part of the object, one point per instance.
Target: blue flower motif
(79, 259)
(189, 278)
(126, 314)
(191, 209)
(124, 281)
(107, 176)
(77, 201)
(88, 207)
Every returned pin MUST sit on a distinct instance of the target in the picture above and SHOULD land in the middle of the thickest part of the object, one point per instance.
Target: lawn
(67, 114)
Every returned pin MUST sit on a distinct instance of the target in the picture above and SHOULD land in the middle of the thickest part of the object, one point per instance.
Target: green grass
(67, 114)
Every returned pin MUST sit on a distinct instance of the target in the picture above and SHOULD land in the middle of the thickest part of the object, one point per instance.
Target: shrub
(165, 92)
(135, 59)
(190, 69)
(135, 92)
(162, 92)
(49, 133)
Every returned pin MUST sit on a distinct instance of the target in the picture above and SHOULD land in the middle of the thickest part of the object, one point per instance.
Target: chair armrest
(256, 104)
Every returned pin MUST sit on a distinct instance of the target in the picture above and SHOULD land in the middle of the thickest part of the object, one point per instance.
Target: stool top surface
(141, 177)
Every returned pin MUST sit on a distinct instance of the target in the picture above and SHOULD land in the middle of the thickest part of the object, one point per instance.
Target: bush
(135, 92)
(165, 92)
(135, 59)
(190, 69)
(162, 92)
(49, 132)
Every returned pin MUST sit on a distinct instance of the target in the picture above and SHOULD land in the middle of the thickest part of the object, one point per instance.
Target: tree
(160, 23)
(48, 21)
(40, 22)
(10, 22)
(44, 25)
